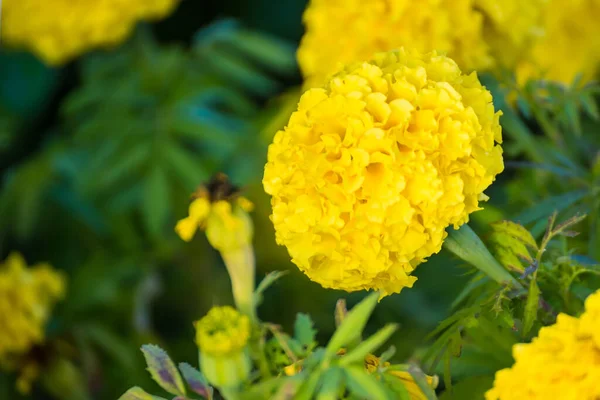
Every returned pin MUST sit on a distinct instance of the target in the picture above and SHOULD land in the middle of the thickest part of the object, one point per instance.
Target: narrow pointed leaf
(531, 307)
(369, 346)
(333, 382)
(465, 244)
(421, 381)
(352, 326)
(363, 384)
(196, 381)
(547, 206)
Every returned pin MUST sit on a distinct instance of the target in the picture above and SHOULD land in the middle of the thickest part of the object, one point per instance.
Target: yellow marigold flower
(27, 296)
(222, 331)
(222, 337)
(563, 362)
(339, 32)
(568, 44)
(373, 168)
(372, 363)
(60, 30)
(224, 215)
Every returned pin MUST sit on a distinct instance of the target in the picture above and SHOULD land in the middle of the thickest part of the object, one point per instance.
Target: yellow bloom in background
(550, 39)
(568, 43)
(219, 210)
(60, 30)
(222, 336)
(27, 296)
(372, 168)
(563, 362)
(372, 363)
(339, 32)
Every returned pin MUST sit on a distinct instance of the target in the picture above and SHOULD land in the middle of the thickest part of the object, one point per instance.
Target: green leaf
(304, 332)
(363, 384)
(189, 170)
(515, 231)
(352, 326)
(163, 370)
(465, 244)
(137, 393)
(471, 388)
(421, 381)
(267, 281)
(155, 205)
(309, 386)
(196, 381)
(358, 354)
(549, 205)
(531, 307)
(333, 384)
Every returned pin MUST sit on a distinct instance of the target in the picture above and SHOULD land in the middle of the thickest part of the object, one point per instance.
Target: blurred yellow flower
(27, 296)
(373, 168)
(567, 44)
(563, 362)
(339, 32)
(372, 363)
(224, 217)
(551, 39)
(60, 30)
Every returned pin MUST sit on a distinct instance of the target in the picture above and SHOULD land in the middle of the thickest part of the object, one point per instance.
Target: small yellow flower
(60, 30)
(372, 363)
(223, 215)
(372, 168)
(563, 362)
(27, 296)
(223, 331)
(222, 337)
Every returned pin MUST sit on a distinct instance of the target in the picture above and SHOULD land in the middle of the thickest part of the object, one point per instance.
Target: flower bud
(222, 337)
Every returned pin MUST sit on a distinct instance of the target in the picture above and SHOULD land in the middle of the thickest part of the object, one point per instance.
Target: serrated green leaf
(304, 332)
(363, 384)
(137, 393)
(196, 381)
(358, 354)
(155, 203)
(531, 307)
(465, 244)
(515, 231)
(333, 384)
(352, 326)
(163, 370)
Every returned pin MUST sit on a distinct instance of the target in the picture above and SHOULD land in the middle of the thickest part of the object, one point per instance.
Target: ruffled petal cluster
(563, 362)
(222, 332)
(60, 30)
(339, 32)
(550, 39)
(27, 296)
(372, 168)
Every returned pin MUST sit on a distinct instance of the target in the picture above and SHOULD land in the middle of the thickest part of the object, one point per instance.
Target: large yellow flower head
(342, 31)
(373, 168)
(27, 296)
(60, 30)
(563, 362)
(222, 332)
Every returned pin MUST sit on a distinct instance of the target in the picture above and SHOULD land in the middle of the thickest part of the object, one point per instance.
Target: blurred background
(99, 158)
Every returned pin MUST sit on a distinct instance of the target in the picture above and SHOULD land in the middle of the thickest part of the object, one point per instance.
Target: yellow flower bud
(222, 337)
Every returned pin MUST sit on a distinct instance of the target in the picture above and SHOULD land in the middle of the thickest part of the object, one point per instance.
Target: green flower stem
(240, 265)
(465, 244)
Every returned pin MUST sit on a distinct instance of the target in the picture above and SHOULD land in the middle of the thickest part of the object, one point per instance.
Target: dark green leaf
(196, 381)
(304, 331)
(155, 205)
(531, 307)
